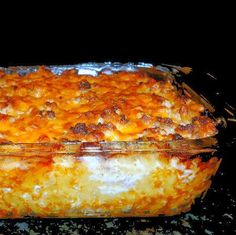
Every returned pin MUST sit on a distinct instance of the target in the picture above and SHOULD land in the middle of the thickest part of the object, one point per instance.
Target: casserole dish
(103, 140)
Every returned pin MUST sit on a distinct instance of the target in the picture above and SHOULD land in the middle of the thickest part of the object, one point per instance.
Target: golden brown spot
(84, 85)
(80, 128)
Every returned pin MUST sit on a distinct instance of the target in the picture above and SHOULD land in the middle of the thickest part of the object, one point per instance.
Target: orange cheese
(125, 106)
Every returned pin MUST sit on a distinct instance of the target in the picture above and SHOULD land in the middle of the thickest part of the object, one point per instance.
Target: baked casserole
(141, 112)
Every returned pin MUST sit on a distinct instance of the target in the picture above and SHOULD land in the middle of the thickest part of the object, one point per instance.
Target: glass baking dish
(106, 179)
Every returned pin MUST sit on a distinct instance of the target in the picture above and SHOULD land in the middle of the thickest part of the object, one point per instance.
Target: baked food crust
(42, 107)
(125, 106)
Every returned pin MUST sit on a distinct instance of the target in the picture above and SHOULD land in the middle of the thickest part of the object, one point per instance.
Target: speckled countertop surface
(215, 214)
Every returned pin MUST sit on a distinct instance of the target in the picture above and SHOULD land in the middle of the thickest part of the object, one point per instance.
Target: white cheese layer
(119, 175)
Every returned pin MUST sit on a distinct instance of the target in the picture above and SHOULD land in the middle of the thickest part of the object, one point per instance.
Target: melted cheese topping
(45, 107)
